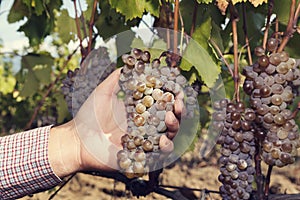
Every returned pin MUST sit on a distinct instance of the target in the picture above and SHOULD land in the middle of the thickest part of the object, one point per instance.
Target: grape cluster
(237, 148)
(79, 84)
(272, 84)
(150, 89)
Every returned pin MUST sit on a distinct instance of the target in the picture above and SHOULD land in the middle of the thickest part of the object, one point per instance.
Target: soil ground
(190, 171)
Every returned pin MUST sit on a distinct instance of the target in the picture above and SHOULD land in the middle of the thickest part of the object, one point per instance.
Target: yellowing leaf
(256, 3)
(223, 4)
(135, 8)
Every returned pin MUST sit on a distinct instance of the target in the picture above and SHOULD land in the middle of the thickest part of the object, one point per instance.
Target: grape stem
(259, 175)
(234, 18)
(246, 34)
(267, 183)
(266, 33)
(194, 18)
(291, 28)
(176, 13)
(82, 19)
(212, 42)
(78, 28)
(91, 24)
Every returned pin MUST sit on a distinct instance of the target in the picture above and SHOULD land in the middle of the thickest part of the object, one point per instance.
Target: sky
(11, 38)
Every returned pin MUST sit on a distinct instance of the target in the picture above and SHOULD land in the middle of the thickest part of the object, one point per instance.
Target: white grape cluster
(79, 84)
(150, 91)
(272, 84)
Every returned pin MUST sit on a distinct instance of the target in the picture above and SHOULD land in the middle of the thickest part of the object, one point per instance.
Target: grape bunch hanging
(237, 148)
(79, 84)
(272, 84)
(150, 89)
(267, 127)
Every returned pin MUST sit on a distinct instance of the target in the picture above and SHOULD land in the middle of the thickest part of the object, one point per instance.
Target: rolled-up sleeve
(24, 164)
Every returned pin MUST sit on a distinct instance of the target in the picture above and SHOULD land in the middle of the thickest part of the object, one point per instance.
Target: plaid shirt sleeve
(24, 164)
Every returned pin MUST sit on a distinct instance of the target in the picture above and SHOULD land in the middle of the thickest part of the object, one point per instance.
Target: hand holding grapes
(93, 137)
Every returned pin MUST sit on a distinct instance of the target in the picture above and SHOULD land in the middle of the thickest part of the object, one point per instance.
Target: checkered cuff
(24, 164)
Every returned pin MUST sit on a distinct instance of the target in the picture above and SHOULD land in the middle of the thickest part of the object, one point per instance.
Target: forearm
(24, 164)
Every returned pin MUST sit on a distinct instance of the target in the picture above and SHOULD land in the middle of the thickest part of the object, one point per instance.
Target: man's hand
(92, 139)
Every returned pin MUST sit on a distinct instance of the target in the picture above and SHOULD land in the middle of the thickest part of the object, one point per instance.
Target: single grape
(263, 61)
(272, 44)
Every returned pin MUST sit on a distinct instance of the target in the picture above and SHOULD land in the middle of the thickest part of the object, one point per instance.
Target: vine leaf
(216, 36)
(66, 27)
(110, 22)
(281, 10)
(202, 33)
(204, 1)
(197, 54)
(223, 4)
(17, 12)
(31, 85)
(156, 47)
(62, 108)
(38, 72)
(40, 18)
(255, 23)
(135, 8)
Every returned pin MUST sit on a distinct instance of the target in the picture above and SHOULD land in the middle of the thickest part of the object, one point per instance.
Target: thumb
(111, 82)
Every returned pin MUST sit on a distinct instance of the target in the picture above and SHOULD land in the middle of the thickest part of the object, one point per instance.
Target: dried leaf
(222, 5)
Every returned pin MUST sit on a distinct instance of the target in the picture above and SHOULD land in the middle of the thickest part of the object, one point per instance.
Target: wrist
(64, 150)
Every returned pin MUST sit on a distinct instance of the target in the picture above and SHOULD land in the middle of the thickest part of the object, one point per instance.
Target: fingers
(172, 123)
(165, 144)
(178, 104)
(172, 119)
(111, 82)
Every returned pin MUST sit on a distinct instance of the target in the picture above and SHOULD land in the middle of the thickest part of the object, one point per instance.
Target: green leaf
(202, 33)
(216, 36)
(37, 28)
(195, 55)
(204, 1)
(42, 73)
(109, 22)
(62, 107)
(255, 23)
(135, 8)
(292, 46)
(30, 60)
(66, 27)
(8, 80)
(39, 65)
(39, 6)
(282, 10)
(187, 8)
(18, 11)
(123, 42)
(187, 134)
(40, 22)
(31, 85)
(137, 43)
(155, 48)
(198, 54)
